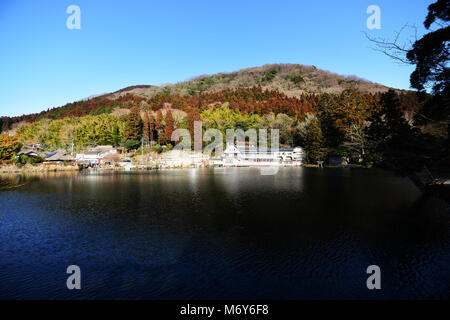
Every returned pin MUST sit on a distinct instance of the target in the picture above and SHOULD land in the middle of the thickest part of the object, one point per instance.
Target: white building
(96, 155)
(251, 156)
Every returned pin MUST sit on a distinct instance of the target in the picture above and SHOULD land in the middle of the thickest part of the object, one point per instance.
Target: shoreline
(28, 168)
(44, 168)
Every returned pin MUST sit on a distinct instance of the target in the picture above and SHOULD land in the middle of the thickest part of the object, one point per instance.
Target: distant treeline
(360, 127)
(252, 100)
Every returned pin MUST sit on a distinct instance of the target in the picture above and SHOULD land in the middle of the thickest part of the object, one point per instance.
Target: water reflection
(223, 233)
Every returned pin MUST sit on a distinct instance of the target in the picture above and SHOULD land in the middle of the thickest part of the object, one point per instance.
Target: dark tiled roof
(59, 155)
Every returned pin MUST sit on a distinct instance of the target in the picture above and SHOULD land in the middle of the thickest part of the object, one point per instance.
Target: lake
(223, 233)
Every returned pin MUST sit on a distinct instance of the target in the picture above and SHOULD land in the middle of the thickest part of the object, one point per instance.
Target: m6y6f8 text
(247, 309)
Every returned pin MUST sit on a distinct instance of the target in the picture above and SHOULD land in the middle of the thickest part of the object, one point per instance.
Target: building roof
(92, 152)
(241, 149)
(29, 153)
(59, 155)
(99, 151)
(266, 149)
(101, 148)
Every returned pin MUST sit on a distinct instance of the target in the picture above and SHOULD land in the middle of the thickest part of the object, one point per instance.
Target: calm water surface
(223, 233)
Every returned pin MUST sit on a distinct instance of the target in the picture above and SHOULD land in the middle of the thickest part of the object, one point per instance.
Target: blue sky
(43, 64)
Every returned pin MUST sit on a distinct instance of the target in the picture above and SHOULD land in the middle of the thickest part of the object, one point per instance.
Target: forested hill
(291, 79)
(288, 88)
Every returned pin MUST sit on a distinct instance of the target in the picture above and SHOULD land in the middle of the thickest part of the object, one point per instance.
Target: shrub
(132, 144)
(25, 159)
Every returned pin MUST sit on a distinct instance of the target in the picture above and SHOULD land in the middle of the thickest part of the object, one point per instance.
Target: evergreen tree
(314, 141)
(392, 142)
(133, 127)
(431, 53)
(116, 135)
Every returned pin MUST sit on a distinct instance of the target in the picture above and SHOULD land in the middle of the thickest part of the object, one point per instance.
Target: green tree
(132, 144)
(116, 135)
(105, 133)
(133, 125)
(314, 141)
(223, 118)
(24, 159)
(392, 142)
(430, 54)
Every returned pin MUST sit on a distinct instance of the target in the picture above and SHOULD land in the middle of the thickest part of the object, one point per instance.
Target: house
(30, 156)
(59, 156)
(30, 153)
(98, 155)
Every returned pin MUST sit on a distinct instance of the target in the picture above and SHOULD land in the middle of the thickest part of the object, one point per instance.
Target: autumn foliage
(250, 100)
(9, 146)
(169, 125)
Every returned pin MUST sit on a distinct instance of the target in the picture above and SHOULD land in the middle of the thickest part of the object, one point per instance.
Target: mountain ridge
(290, 79)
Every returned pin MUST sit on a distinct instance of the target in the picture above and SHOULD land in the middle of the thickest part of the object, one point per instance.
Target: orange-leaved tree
(169, 125)
(9, 146)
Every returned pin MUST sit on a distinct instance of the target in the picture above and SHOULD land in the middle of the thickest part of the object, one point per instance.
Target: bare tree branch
(393, 49)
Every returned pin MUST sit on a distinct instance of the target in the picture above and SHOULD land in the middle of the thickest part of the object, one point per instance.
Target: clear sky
(43, 64)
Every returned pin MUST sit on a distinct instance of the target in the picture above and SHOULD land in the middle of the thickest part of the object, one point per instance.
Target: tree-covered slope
(274, 84)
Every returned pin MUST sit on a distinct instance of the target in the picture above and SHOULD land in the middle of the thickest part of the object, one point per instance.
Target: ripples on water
(223, 233)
